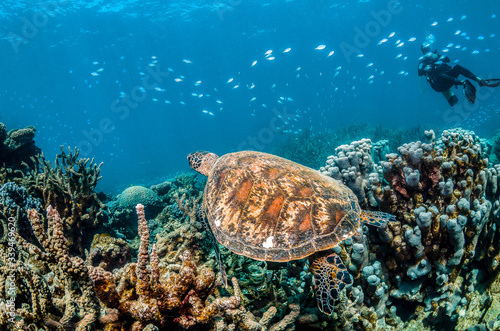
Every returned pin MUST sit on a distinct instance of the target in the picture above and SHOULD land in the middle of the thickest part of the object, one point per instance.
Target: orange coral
(148, 293)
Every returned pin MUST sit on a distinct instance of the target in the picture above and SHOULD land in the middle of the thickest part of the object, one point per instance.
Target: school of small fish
(361, 71)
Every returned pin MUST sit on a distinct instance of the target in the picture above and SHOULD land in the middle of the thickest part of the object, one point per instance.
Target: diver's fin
(330, 277)
(469, 91)
(204, 222)
(376, 218)
(490, 82)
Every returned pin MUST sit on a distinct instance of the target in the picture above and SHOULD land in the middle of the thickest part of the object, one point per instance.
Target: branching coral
(68, 187)
(180, 233)
(241, 319)
(79, 301)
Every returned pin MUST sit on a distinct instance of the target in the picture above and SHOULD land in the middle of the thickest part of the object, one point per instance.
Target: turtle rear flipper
(330, 277)
(376, 218)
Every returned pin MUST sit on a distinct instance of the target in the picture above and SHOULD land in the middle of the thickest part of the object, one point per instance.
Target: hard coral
(17, 147)
(68, 187)
(441, 193)
(180, 233)
(72, 292)
(108, 252)
(134, 195)
(145, 293)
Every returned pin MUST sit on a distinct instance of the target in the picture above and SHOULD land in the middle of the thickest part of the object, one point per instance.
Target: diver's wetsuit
(440, 75)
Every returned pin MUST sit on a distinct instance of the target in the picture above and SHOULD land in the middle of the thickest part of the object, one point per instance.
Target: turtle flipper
(330, 277)
(204, 222)
(376, 218)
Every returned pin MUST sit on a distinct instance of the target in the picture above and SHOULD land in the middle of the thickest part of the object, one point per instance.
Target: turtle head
(202, 162)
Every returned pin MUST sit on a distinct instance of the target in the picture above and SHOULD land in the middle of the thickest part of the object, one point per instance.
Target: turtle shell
(270, 208)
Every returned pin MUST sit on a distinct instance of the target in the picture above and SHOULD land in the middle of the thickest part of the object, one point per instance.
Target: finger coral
(441, 193)
(145, 293)
(78, 301)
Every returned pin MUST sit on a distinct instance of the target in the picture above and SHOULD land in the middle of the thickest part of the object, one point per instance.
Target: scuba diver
(442, 77)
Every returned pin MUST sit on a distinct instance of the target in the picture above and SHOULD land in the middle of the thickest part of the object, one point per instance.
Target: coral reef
(134, 195)
(147, 292)
(241, 319)
(61, 288)
(123, 219)
(54, 290)
(108, 253)
(17, 146)
(68, 187)
(159, 202)
(181, 233)
(311, 149)
(446, 240)
(15, 202)
(436, 268)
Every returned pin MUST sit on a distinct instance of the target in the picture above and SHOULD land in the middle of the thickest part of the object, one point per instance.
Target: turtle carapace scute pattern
(269, 208)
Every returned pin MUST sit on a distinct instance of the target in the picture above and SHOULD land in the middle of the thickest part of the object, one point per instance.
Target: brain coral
(134, 195)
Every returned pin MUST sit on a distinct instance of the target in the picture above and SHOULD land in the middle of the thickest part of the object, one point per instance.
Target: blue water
(74, 70)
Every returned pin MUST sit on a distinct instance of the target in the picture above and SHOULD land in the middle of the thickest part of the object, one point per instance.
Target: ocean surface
(140, 84)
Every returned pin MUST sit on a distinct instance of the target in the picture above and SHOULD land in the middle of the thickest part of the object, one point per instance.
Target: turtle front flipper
(330, 277)
(376, 218)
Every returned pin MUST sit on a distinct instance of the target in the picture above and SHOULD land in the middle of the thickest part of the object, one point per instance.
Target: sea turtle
(269, 208)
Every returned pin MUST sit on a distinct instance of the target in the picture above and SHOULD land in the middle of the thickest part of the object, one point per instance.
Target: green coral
(134, 195)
